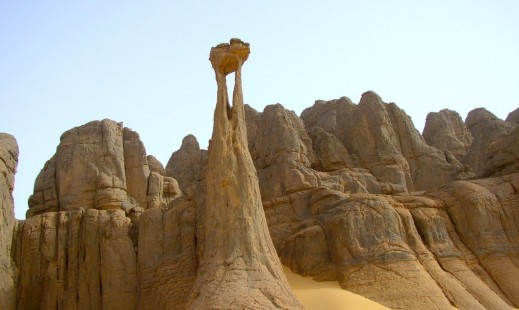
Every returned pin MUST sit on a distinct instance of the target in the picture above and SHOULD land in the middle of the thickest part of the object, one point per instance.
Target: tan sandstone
(8, 269)
(333, 194)
(446, 131)
(239, 267)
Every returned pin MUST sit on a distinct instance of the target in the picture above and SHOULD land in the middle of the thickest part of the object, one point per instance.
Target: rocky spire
(239, 267)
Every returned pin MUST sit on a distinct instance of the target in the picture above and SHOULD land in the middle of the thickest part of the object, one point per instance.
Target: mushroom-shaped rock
(227, 57)
(239, 267)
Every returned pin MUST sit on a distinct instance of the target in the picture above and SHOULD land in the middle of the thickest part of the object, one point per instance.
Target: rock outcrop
(188, 164)
(513, 117)
(77, 259)
(95, 167)
(167, 257)
(8, 270)
(348, 192)
(446, 131)
(238, 267)
(380, 137)
(78, 247)
(486, 128)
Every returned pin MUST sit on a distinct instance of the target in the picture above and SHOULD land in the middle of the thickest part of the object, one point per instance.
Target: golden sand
(326, 295)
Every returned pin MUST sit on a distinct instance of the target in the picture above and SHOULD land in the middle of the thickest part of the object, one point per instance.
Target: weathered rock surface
(155, 165)
(380, 137)
(78, 248)
(446, 131)
(79, 259)
(136, 167)
(513, 117)
(326, 213)
(330, 152)
(187, 165)
(167, 262)
(333, 194)
(486, 128)
(8, 270)
(323, 114)
(238, 267)
(87, 171)
(281, 150)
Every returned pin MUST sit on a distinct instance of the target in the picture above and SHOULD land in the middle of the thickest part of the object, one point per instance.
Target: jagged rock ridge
(351, 193)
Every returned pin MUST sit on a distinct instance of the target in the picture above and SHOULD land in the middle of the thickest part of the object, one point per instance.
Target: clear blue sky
(65, 63)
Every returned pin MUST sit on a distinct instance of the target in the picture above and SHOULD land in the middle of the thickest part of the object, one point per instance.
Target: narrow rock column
(239, 267)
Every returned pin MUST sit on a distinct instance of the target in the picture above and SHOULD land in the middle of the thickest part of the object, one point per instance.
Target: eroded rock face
(323, 114)
(78, 248)
(357, 238)
(502, 155)
(109, 228)
(380, 137)
(281, 150)
(136, 167)
(8, 270)
(79, 259)
(446, 131)
(330, 152)
(513, 117)
(167, 263)
(486, 128)
(239, 267)
(87, 171)
(187, 165)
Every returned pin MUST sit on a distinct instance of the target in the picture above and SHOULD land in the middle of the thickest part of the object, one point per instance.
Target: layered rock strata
(238, 267)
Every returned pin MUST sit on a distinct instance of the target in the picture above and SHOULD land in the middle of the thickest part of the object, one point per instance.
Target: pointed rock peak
(155, 165)
(250, 109)
(370, 97)
(477, 115)
(226, 57)
(190, 143)
(513, 117)
(439, 120)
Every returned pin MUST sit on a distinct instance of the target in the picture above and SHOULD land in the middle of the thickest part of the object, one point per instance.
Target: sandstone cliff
(347, 192)
(486, 128)
(446, 131)
(8, 270)
(78, 246)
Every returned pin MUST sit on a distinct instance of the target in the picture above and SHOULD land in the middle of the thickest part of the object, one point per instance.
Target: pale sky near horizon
(65, 63)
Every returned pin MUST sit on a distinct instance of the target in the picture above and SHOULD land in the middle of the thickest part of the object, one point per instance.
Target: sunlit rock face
(446, 131)
(486, 128)
(8, 269)
(238, 267)
(347, 192)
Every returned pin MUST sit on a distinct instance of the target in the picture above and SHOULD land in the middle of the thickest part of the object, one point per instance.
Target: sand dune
(327, 295)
